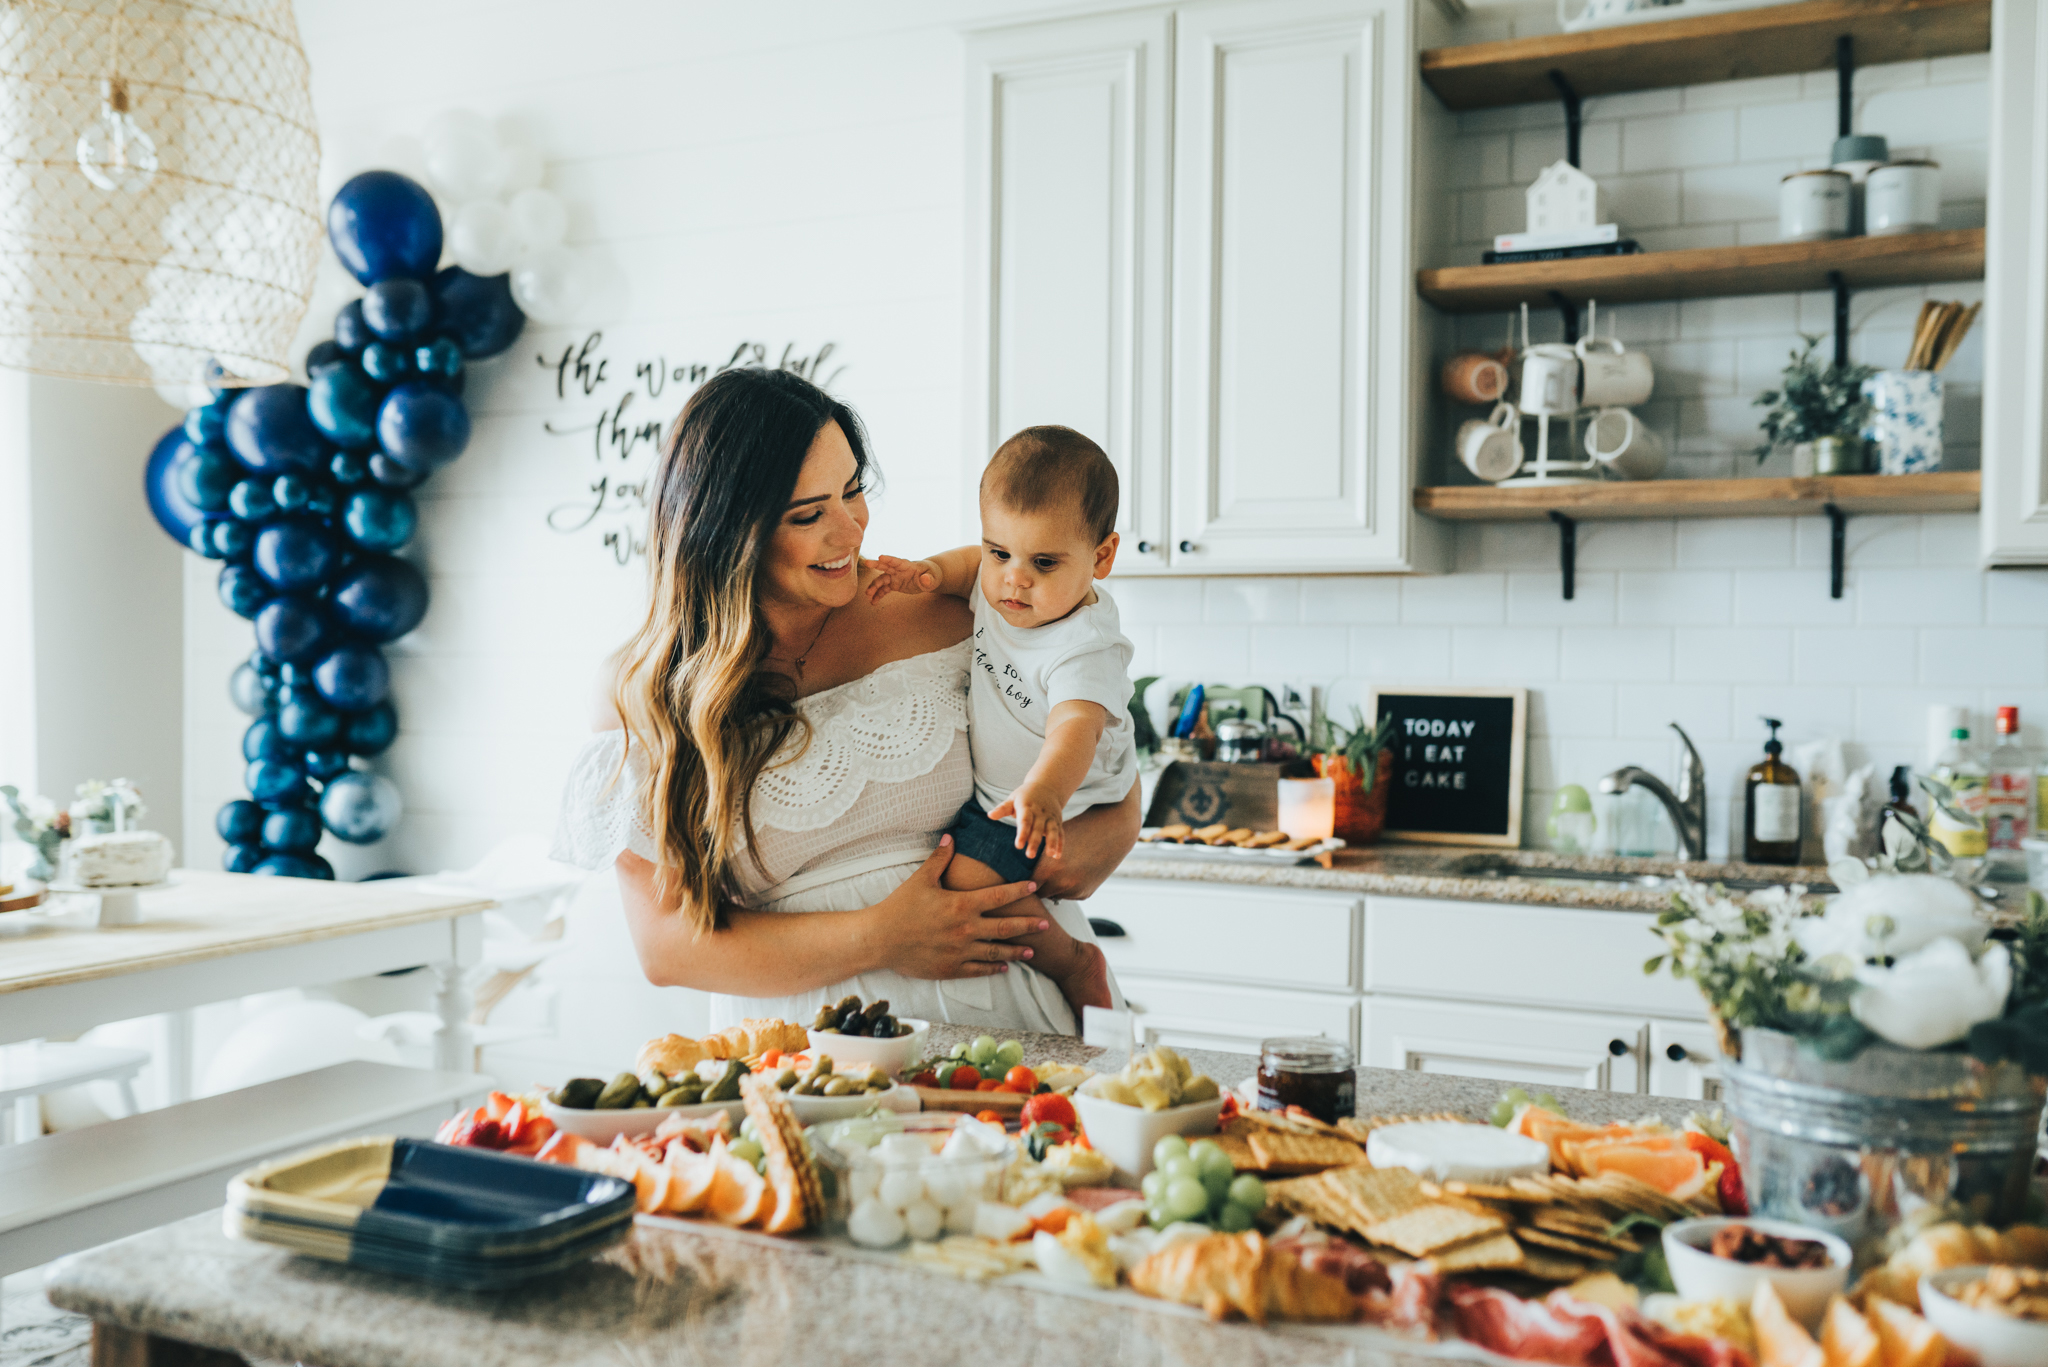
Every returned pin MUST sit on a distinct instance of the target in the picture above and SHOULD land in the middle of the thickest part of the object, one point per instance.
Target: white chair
(33, 1067)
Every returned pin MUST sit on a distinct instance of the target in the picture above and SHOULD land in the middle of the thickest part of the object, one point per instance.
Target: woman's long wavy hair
(689, 685)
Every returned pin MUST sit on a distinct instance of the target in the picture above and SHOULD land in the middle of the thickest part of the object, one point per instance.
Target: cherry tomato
(1021, 1079)
(990, 1116)
(965, 1078)
(1049, 1106)
(927, 1078)
(988, 1084)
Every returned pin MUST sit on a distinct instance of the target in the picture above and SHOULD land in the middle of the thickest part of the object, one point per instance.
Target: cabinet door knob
(1145, 548)
(1105, 929)
(1188, 548)
(1619, 1047)
(1676, 1053)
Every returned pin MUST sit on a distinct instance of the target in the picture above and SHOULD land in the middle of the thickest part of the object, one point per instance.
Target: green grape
(1211, 1159)
(1548, 1102)
(959, 1051)
(1217, 1184)
(981, 1051)
(1173, 1146)
(748, 1130)
(1154, 1183)
(1011, 1053)
(1249, 1192)
(1156, 1216)
(1177, 1169)
(1185, 1199)
(1233, 1218)
(747, 1151)
(1503, 1112)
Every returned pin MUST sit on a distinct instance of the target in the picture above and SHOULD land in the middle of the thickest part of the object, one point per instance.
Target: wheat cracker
(1489, 1253)
(1427, 1228)
(1278, 1151)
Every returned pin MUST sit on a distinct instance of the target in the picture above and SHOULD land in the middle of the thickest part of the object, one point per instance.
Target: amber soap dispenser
(1770, 807)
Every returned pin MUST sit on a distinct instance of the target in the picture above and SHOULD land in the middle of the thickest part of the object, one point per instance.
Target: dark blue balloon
(379, 519)
(325, 764)
(275, 783)
(207, 423)
(243, 590)
(398, 310)
(250, 500)
(207, 477)
(239, 822)
(246, 690)
(291, 627)
(320, 501)
(294, 553)
(291, 493)
(202, 538)
(293, 829)
(293, 866)
(323, 358)
(175, 513)
(263, 740)
(343, 405)
(371, 732)
(477, 311)
(351, 333)
(353, 678)
(241, 858)
(422, 427)
(349, 468)
(386, 362)
(231, 540)
(308, 722)
(263, 664)
(360, 807)
(391, 474)
(439, 359)
(384, 225)
(271, 432)
(380, 598)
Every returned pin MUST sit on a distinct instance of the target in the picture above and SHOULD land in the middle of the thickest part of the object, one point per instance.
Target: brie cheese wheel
(1449, 1151)
(119, 859)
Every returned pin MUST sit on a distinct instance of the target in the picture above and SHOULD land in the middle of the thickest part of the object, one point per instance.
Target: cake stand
(119, 906)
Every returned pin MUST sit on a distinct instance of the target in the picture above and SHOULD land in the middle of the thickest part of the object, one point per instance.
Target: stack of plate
(464, 1217)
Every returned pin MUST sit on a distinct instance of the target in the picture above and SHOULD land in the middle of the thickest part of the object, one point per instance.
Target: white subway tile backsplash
(1401, 654)
(1792, 130)
(1934, 597)
(1346, 599)
(2007, 656)
(1506, 545)
(1851, 655)
(1649, 709)
(1506, 655)
(1616, 654)
(1809, 713)
(1626, 545)
(1766, 315)
(1157, 601)
(2011, 597)
(1574, 711)
(1735, 543)
(1735, 193)
(1251, 600)
(1792, 597)
(1698, 137)
(1680, 598)
(1205, 652)
(1867, 542)
(1639, 202)
(1632, 105)
(1732, 655)
(1742, 94)
(1444, 600)
(1537, 148)
(1300, 652)
(1930, 114)
(1537, 598)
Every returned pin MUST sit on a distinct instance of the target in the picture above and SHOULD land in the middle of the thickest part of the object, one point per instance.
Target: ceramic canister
(1905, 420)
(1813, 206)
(1903, 197)
(1857, 155)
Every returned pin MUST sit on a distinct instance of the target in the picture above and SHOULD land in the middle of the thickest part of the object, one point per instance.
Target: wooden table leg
(116, 1346)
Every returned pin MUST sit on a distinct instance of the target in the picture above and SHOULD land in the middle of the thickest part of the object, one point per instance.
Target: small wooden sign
(1457, 758)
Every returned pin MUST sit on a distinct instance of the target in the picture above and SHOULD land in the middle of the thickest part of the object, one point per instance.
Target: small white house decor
(1563, 199)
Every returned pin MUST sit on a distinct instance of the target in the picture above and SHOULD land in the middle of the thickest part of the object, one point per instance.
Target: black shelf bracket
(1568, 552)
(1838, 522)
(1845, 85)
(1566, 93)
(1841, 289)
(1568, 315)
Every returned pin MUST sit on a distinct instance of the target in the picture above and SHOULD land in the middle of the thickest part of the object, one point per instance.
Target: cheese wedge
(1451, 1151)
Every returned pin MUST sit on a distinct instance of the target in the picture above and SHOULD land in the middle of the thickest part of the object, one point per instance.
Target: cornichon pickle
(828, 1016)
(839, 1086)
(619, 1093)
(786, 1079)
(727, 1088)
(678, 1096)
(578, 1093)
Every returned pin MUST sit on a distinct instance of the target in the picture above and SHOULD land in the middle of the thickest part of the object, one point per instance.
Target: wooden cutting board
(946, 1099)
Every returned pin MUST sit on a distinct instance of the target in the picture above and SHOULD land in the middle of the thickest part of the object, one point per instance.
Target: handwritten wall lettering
(616, 425)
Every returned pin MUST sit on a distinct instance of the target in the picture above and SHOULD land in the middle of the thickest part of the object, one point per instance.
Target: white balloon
(481, 238)
(539, 218)
(466, 168)
(452, 126)
(547, 285)
(523, 166)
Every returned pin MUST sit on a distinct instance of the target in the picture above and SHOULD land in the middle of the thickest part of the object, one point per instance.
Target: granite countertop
(1457, 873)
(712, 1296)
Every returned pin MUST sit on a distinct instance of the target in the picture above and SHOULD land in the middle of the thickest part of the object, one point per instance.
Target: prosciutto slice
(1574, 1333)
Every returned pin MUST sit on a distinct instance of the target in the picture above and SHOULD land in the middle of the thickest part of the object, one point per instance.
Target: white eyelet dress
(839, 828)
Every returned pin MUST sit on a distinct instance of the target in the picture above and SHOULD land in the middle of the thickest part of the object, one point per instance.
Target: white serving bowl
(602, 1127)
(1125, 1134)
(816, 1110)
(1996, 1340)
(1699, 1275)
(892, 1056)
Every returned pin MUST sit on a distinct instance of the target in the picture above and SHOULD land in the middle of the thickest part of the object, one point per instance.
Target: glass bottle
(1963, 770)
(1770, 806)
(2008, 790)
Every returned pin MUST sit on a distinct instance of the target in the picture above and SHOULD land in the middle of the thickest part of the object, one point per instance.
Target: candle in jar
(1308, 808)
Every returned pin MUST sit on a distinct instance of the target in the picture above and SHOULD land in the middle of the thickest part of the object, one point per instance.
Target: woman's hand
(921, 930)
(892, 575)
(1096, 843)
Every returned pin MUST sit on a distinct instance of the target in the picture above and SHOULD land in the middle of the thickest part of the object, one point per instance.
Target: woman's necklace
(799, 660)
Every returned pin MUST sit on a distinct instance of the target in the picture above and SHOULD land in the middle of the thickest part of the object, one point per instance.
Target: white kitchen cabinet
(1684, 1061)
(1276, 936)
(1242, 177)
(1512, 1044)
(2014, 519)
(1187, 1015)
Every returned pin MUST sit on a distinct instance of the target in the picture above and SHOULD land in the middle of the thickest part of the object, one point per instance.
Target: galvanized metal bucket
(1893, 1137)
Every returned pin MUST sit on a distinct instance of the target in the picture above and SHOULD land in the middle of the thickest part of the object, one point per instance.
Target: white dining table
(210, 937)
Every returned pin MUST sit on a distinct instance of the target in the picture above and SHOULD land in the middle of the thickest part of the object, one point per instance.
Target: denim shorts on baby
(994, 843)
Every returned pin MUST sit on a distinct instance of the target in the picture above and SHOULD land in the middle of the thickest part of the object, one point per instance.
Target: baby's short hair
(1048, 467)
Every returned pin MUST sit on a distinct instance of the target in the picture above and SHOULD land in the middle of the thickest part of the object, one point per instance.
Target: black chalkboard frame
(1510, 836)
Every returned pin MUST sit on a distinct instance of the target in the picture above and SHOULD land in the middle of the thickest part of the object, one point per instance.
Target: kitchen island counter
(694, 1295)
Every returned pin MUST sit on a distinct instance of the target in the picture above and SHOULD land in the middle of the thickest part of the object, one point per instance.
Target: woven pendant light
(159, 202)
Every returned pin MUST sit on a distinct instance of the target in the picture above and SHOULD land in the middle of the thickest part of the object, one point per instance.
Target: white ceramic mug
(1597, 13)
(1813, 206)
(1491, 448)
(1550, 380)
(1902, 197)
(1620, 440)
(1611, 375)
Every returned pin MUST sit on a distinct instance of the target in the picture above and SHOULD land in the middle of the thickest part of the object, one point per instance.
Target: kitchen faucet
(1687, 806)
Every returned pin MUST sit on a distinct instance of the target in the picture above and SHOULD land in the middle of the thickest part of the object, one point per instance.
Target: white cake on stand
(117, 859)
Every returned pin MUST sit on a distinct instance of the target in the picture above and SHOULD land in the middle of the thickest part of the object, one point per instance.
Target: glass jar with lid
(1312, 1072)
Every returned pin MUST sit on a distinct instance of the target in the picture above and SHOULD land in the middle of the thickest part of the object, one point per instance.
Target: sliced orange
(1781, 1340)
(1847, 1338)
(738, 1193)
(1906, 1340)
(1663, 1162)
(690, 1178)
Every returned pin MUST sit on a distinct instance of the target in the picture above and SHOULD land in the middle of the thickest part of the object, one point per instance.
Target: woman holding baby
(788, 731)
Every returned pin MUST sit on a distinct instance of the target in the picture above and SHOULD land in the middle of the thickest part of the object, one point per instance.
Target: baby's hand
(1038, 819)
(901, 576)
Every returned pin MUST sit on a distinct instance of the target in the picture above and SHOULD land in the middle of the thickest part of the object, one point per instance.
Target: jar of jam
(1314, 1074)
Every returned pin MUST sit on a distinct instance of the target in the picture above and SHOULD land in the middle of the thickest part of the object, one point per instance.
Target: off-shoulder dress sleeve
(600, 814)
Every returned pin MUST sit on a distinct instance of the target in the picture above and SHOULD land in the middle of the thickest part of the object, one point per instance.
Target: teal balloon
(360, 807)
(342, 403)
(293, 866)
(294, 830)
(379, 519)
(207, 477)
(306, 721)
(246, 690)
(243, 590)
(242, 858)
(371, 732)
(251, 500)
(275, 783)
(239, 822)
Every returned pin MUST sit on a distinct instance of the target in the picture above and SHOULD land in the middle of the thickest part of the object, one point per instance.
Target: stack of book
(1602, 239)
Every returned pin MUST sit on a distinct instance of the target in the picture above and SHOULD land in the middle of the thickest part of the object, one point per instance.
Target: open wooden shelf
(1711, 47)
(1947, 491)
(1711, 272)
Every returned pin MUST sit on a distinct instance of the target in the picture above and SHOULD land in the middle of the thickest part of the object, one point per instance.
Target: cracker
(1427, 1228)
(1489, 1252)
(789, 1163)
(1549, 1267)
(1282, 1152)
(1632, 1193)
(1248, 1123)
(1564, 1243)
(1482, 1191)
(1376, 1193)
(1358, 1128)
(1567, 1220)
(1240, 1150)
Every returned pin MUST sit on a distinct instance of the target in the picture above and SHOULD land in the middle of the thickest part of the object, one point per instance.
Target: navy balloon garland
(304, 493)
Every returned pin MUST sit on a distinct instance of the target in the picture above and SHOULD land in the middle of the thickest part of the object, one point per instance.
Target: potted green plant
(1819, 411)
(1353, 758)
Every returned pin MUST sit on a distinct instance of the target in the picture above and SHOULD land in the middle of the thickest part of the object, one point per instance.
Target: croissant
(1952, 1245)
(673, 1055)
(1239, 1272)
